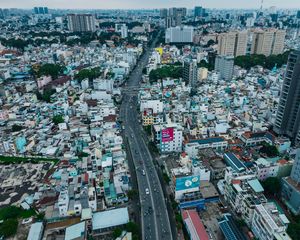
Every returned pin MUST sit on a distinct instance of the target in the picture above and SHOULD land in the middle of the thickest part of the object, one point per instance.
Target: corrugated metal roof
(110, 218)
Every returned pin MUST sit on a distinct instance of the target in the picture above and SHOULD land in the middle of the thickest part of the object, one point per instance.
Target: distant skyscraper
(199, 12)
(224, 65)
(190, 72)
(233, 43)
(40, 10)
(298, 14)
(183, 34)
(81, 23)
(174, 17)
(163, 13)
(268, 42)
(288, 112)
(36, 10)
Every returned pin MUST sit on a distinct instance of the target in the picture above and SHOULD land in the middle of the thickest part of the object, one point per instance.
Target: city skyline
(139, 4)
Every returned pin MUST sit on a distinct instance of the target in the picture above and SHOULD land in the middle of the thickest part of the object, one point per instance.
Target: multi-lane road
(155, 224)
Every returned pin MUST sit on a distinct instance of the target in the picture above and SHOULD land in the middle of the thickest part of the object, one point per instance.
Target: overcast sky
(126, 4)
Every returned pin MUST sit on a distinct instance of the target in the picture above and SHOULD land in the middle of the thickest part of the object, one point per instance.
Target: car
(147, 191)
(143, 172)
(27, 220)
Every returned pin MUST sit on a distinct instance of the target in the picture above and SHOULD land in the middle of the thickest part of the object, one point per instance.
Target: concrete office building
(40, 10)
(288, 112)
(224, 65)
(290, 192)
(268, 42)
(183, 34)
(81, 22)
(232, 43)
(174, 17)
(199, 11)
(163, 12)
(190, 72)
(122, 28)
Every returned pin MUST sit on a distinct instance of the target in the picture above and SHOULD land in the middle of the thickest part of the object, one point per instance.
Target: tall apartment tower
(190, 72)
(288, 112)
(224, 65)
(174, 17)
(269, 42)
(81, 22)
(233, 43)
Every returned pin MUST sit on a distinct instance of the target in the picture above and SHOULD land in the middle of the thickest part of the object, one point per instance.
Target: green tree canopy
(88, 73)
(272, 185)
(58, 119)
(9, 228)
(267, 62)
(165, 72)
(54, 70)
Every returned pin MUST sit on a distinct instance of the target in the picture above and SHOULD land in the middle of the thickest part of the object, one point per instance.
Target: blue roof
(75, 231)
(232, 160)
(208, 140)
(256, 186)
(230, 229)
(110, 218)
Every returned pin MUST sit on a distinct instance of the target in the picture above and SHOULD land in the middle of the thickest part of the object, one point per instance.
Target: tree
(272, 185)
(16, 128)
(132, 227)
(132, 194)
(117, 233)
(148, 129)
(293, 230)
(54, 70)
(46, 96)
(88, 73)
(58, 119)
(9, 228)
(269, 150)
(165, 72)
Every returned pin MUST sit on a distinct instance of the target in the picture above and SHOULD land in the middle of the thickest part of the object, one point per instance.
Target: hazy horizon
(143, 4)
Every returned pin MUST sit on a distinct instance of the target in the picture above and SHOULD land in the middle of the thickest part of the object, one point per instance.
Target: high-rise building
(183, 34)
(288, 112)
(124, 31)
(224, 65)
(268, 42)
(290, 192)
(190, 72)
(199, 11)
(298, 14)
(163, 13)
(174, 17)
(233, 43)
(40, 10)
(81, 23)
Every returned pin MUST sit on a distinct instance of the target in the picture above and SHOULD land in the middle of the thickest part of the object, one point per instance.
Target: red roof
(194, 223)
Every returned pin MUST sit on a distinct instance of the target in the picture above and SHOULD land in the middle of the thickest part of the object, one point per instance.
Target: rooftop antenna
(261, 5)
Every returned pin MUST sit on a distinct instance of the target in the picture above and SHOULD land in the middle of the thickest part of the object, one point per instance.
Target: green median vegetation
(34, 160)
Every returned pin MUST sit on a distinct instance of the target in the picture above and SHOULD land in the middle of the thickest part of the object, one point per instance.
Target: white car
(147, 191)
(143, 172)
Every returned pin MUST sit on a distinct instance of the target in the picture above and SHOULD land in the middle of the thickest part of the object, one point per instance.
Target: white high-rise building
(184, 34)
(81, 23)
(168, 137)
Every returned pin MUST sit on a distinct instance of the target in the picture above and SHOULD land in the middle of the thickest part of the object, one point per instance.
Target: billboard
(186, 183)
(167, 135)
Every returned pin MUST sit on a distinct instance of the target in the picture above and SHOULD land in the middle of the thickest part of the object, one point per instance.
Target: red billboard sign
(167, 135)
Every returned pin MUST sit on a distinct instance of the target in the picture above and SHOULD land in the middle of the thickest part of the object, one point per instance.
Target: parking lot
(209, 217)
